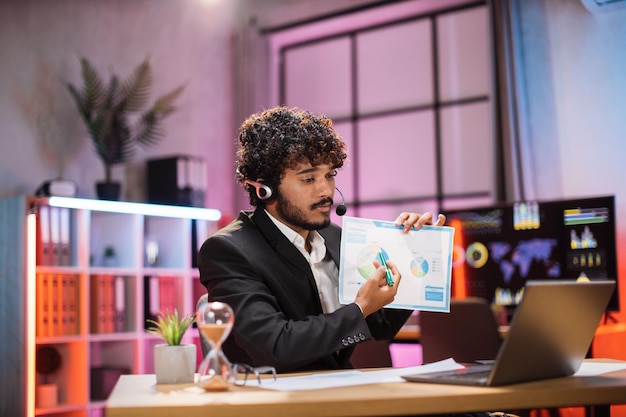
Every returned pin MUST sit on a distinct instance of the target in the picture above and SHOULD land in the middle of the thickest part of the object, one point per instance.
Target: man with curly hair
(278, 265)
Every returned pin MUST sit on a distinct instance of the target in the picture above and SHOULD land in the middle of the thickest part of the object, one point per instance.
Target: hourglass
(215, 321)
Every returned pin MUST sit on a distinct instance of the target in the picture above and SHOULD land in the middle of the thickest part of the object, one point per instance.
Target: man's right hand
(374, 294)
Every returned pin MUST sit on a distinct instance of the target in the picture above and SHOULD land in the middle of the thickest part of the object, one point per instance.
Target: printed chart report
(424, 258)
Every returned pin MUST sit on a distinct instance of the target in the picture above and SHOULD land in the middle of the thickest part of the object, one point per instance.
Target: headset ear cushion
(263, 192)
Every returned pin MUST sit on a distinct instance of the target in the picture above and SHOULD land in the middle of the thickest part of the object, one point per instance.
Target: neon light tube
(136, 208)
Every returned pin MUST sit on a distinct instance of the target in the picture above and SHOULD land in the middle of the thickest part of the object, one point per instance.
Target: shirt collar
(317, 241)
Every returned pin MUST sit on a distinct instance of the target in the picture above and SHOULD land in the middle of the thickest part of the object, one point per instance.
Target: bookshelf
(81, 277)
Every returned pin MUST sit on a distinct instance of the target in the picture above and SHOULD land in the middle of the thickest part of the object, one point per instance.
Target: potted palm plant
(174, 363)
(106, 110)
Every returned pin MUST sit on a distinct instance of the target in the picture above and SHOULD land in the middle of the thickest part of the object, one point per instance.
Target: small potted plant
(110, 256)
(174, 363)
(47, 362)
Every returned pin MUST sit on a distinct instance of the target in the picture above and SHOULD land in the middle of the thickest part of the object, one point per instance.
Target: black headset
(265, 193)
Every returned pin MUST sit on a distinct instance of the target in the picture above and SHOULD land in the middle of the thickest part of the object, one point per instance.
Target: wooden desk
(412, 333)
(137, 395)
(408, 333)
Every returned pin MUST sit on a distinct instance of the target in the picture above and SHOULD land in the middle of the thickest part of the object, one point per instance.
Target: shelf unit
(89, 307)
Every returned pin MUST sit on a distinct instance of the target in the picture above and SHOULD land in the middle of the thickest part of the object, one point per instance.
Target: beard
(297, 217)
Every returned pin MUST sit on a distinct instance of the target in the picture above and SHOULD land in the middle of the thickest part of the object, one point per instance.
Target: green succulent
(105, 109)
(170, 327)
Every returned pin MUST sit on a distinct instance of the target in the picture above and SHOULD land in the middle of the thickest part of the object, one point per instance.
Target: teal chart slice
(365, 260)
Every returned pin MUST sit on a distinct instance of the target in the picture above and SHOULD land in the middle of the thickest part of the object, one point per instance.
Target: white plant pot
(174, 364)
(46, 395)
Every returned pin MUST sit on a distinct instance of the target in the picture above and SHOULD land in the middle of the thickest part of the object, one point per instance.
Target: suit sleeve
(276, 321)
(385, 323)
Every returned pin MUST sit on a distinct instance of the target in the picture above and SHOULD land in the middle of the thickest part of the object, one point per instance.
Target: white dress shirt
(324, 269)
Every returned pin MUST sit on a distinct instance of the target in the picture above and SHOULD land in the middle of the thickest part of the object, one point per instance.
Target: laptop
(549, 336)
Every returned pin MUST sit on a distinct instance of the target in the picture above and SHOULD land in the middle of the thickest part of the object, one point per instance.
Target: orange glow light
(31, 253)
(459, 288)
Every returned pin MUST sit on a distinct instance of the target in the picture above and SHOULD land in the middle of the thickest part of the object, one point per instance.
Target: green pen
(384, 263)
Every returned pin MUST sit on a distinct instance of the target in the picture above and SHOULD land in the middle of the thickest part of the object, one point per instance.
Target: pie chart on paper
(365, 260)
(419, 267)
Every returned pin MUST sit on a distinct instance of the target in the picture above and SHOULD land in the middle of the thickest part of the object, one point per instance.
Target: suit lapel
(332, 237)
(286, 251)
(283, 247)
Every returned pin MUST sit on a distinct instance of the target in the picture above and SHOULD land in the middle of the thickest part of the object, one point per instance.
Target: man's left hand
(416, 220)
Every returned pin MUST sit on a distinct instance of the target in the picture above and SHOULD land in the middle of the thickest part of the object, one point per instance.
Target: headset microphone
(341, 208)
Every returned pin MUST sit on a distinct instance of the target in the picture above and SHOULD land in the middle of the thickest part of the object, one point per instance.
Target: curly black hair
(279, 138)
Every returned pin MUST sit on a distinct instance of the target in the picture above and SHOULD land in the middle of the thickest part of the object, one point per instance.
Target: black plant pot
(108, 190)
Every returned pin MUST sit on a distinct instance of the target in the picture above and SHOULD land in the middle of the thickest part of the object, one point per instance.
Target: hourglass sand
(215, 321)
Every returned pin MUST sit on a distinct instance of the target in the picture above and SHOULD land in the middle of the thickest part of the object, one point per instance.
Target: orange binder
(93, 304)
(53, 304)
(72, 304)
(63, 305)
(105, 301)
(110, 303)
(98, 304)
(41, 329)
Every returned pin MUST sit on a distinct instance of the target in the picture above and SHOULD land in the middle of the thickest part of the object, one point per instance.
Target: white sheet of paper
(353, 377)
(599, 368)
(423, 256)
(356, 377)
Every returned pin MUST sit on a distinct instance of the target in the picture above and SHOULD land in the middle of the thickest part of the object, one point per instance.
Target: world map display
(521, 257)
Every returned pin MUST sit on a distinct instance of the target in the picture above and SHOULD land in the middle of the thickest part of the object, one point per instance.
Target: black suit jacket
(279, 321)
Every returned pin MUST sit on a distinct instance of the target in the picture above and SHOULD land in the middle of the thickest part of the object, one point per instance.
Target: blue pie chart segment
(419, 267)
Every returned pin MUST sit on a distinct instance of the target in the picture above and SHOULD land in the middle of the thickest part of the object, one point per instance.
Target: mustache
(322, 202)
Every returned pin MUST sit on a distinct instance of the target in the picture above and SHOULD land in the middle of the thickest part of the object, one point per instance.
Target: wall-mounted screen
(498, 248)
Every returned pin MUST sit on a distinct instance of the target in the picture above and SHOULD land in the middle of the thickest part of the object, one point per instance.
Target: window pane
(467, 148)
(345, 177)
(394, 66)
(464, 54)
(317, 77)
(396, 156)
(466, 202)
(390, 211)
(392, 157)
